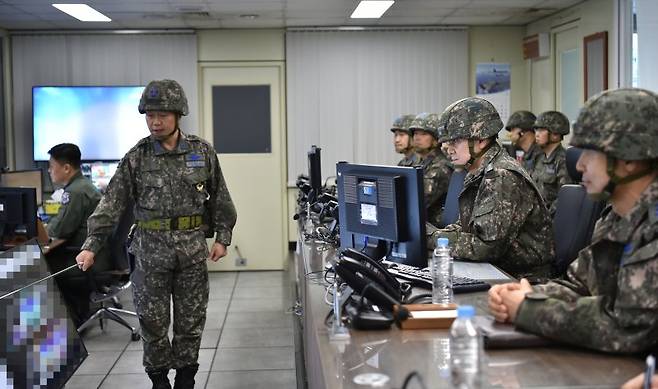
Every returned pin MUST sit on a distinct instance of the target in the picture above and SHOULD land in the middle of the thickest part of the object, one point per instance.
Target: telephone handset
(358, 270)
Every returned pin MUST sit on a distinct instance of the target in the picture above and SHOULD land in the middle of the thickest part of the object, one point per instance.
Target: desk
(396, 353)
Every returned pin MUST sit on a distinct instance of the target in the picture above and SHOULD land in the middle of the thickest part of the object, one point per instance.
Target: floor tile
(258, 292)
(256, 337)
(259, 305)
(266, 379)
(272, 358)
(258, 319)
(84, 381)
(98, 362)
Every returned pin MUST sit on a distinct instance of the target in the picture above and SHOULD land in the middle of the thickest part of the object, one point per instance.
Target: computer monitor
(99, 173)
(40, 346)
(25, 179)
(382, 211)
(315, 170)
(18, 212)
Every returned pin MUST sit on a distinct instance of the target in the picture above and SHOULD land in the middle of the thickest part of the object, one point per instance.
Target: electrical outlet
(240, 261)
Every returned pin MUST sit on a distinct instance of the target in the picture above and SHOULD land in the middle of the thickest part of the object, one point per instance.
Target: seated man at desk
(609, 298)
(69, 226)
(502, 217)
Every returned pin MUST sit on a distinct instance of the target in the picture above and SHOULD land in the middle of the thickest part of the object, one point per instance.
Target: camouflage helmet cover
(402, 123)
(621, 123)
(163, 95)
(469, 118)
(427, 122)
(553, 121)
(521, 119)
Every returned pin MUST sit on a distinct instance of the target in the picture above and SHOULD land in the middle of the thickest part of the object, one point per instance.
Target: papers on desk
(478, 271)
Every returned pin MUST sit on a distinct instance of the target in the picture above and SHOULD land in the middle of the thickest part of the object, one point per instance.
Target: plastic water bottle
(465, 350)
(441, 270)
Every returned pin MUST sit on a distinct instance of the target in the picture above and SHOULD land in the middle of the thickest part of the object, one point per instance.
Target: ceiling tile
(473, 20)
(503, 3)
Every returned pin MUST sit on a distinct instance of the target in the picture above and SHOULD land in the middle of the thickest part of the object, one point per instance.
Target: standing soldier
(502, 219)
(402, 140)
(436, 166)
(522, 135)
(173, 179)
(551, 169)
(609, 298)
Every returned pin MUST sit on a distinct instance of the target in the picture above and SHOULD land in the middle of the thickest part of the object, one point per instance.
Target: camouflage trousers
(170, 274)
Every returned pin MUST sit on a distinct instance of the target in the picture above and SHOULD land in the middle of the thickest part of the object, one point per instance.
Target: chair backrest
(450, 212)
(573, 153)
(117, 242)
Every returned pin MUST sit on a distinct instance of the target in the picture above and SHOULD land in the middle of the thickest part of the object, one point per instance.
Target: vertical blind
(345, 88)
(97, 59)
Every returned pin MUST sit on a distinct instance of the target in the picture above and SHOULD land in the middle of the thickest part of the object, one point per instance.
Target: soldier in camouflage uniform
(608, 300)
(402, 139)
(437, 169)
(69, 228)
(173, 179)
(551, 168)
(502, 219)
(522, 135)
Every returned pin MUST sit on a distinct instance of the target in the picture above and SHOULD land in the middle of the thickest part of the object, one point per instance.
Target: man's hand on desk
(85, 259)
(504, 299)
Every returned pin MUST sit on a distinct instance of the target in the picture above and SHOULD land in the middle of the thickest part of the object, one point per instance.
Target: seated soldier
(69, 227)
(550, 171)
(402, 140)
(522, 135)
(437, 169)
(502, 219)
(609, 298)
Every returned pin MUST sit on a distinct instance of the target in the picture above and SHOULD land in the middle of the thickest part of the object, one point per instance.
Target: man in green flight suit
(550, 171)
(437, 169)
(174, 179)
(69, 227)
(402, 140)
(608, 300)
(502, 219)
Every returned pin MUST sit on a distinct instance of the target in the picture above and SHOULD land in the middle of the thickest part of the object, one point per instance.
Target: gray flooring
(247, 341)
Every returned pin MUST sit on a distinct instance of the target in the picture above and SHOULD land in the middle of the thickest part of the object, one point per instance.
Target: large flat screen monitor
(23, 179)
(40, 346)
(18, 212)
(99, 173)
(102, 120)
(382, 211)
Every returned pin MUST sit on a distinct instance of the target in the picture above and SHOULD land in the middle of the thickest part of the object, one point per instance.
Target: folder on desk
(503, 335)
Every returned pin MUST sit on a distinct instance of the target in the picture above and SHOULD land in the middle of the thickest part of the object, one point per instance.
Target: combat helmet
(553, 121)
(469, 118)
(521, 119)
(402, 123)
(163, 95)
(622, 124)
(427, 122)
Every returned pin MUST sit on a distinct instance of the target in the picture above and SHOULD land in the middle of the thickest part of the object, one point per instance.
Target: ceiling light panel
(371, 9)
(82, 12)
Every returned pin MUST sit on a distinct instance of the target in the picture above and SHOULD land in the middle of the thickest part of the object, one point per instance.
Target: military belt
(172, 224)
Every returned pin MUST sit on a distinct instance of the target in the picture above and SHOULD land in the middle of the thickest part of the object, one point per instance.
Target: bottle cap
(465, 311)
(442, 242)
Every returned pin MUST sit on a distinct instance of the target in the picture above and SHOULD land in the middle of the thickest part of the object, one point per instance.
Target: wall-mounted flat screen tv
(102, 120)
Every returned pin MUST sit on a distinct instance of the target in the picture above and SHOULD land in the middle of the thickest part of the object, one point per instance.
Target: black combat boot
(185, 377)
(160, 379)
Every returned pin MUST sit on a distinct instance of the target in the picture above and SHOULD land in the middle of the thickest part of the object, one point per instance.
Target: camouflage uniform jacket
(165, 184)
(437, 170)
(502, 219)
(530, 158)
(550, 174)
(411, 160)
(609, 299)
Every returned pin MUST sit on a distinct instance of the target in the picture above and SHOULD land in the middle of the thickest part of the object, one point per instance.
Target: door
(256, 180)
(568, 78)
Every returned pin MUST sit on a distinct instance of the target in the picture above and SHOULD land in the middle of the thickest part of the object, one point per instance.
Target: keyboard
(423, 278)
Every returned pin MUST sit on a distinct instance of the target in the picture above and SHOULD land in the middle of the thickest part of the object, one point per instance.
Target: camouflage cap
(553, 121)
(427, 122)
(621, 123)
(163, 95)
(521, 119)
(402, 123)
(469, 118)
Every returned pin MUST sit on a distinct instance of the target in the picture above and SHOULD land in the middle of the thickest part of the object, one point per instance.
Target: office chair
(450, 212)
(575, 217)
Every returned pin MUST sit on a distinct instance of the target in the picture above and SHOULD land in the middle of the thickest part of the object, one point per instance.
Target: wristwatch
(537, 296)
